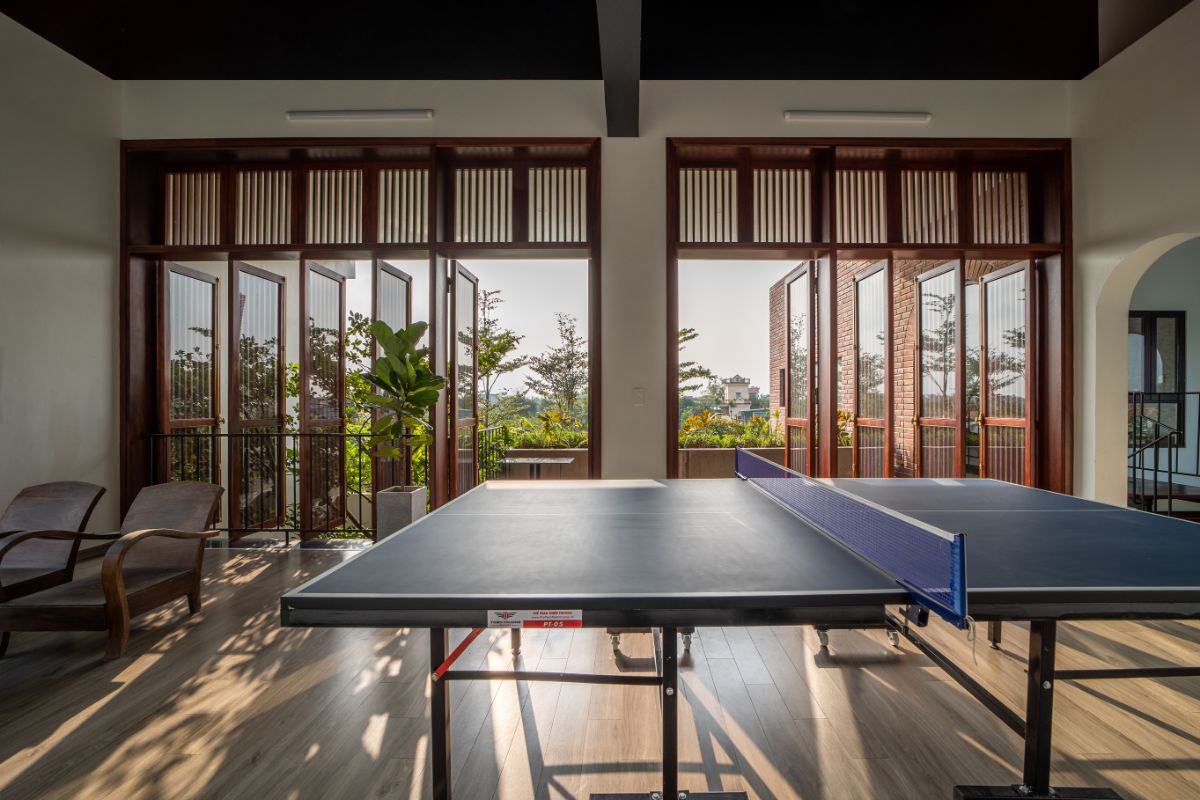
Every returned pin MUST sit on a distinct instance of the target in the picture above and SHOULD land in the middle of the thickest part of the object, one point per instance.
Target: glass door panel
(393, 296)
(392, 291)
(464, 302)
(322, 399)
(972, 332)
(257, 374)
(188, 405)
(937, 384)
(799, 419)
(1005, 385)
(872, 343)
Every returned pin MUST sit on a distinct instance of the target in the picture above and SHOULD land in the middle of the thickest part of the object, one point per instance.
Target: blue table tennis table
(770, 547)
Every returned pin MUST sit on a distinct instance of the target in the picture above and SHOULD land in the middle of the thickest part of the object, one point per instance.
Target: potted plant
(405, 389)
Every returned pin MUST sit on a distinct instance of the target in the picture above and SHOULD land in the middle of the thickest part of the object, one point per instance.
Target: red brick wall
(846, 271)
(904, 343)
(904, 366)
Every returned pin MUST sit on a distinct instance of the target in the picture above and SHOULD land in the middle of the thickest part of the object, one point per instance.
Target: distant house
(738, 397)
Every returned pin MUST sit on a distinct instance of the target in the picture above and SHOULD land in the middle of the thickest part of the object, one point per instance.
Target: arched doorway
(1102, 409)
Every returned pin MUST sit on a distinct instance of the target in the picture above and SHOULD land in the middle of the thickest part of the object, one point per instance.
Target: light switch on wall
(639, 396)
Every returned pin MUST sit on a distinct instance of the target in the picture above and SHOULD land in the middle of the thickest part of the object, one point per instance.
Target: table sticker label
(547, 618)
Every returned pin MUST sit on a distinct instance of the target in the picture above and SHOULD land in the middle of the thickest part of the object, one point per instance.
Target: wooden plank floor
(229, 705)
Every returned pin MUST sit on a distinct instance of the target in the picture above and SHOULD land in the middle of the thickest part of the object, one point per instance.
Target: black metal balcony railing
(313, 484)
(491, 445)
(317, 484)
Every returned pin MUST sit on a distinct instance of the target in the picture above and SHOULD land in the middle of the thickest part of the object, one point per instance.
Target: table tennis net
(927, 561)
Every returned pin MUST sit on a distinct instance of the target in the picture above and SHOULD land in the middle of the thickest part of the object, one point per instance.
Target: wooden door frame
(236, 424)
(919, 420)
(1047, 165)
(883, 265)
(307, 266)
(163, 351)
(457, 270)
(380, 266)
(1026, 266)
(805, 270)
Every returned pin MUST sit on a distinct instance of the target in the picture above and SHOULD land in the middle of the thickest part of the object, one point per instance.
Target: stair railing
(1164, 436)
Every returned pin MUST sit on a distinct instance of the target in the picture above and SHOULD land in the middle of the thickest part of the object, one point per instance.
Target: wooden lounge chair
(148, 566)
(30, 564)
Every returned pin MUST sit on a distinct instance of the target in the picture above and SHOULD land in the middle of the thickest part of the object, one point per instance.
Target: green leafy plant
(692, 376)
(707, 429)
(551, 429)
(845, 424)
(406, 388)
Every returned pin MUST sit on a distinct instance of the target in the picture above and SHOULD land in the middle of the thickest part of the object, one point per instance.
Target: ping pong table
(770, 548)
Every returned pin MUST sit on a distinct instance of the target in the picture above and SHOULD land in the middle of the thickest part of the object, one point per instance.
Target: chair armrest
(115, 557)
(112, 576)
(111, 569)
(10, 540)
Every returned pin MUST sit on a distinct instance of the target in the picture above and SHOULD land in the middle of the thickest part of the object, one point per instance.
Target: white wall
(1135, 124)
(1173, 284)
(200, 109)
(59, 157)
(634, 237)
(755, 108)
(65, 126)
(633, 243)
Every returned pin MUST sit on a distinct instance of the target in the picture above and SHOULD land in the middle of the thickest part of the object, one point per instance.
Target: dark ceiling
(558, 39)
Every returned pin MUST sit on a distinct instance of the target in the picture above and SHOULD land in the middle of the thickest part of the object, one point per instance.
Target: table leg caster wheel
(823, 637)
(894, 638)
(616, 642)
(687, 643)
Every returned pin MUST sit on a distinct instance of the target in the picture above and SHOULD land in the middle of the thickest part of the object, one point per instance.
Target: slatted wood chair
(148, 566)
(29, 564)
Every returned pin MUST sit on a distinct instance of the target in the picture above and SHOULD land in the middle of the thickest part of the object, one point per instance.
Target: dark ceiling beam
(620, 23)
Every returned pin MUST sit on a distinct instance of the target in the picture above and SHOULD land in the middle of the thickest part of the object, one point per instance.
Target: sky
(532, 291)
(727, 302)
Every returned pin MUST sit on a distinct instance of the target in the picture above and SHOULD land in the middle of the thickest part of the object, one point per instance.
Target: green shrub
(551, 429)
(714, 430)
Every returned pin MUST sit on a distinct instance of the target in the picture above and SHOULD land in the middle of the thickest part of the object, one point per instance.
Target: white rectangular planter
(397, 507)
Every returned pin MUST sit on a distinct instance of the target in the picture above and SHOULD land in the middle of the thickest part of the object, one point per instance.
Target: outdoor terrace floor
(229, 705)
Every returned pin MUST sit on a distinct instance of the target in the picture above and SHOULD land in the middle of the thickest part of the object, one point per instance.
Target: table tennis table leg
(439, 648)
(1039, 707)
(670, 715)
(995, 633)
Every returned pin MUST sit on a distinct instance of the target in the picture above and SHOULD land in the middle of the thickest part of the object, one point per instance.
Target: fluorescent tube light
(358, 114)
(797, 115)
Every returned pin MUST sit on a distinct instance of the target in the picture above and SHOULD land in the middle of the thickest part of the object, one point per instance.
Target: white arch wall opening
(1103, 374)
(1172, 286)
